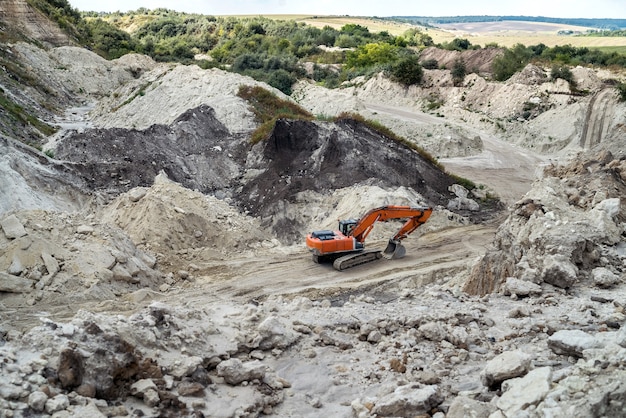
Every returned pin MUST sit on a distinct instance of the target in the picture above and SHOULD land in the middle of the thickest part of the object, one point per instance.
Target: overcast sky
(549, 8)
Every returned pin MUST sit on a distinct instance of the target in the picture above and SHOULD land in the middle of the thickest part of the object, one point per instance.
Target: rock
(572, 342)
(604, 278)
(37, 401)
(16, 268)
(339, 340)
(190, 389)
(71, 369)
(234, 371)
(374, 336)
(56, 404)
(464, 407)
(84, 229)
(120, 273)
(519, 287)
(559, 272)
(408, 401)
(14, 284)
(458, 190)
(505, 366)
(463, 203)
(87, 390)
(186, 366)
(522, 392)
(12, 227)
(136, 194)
(433, 331)
(145, 389)
(52, 265)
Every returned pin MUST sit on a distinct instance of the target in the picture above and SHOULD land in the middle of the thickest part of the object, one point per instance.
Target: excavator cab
(346, 226)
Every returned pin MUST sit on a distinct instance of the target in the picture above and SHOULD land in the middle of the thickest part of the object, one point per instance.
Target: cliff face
(18, 19)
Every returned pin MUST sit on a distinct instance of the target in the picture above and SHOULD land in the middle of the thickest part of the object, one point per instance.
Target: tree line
(273, 51)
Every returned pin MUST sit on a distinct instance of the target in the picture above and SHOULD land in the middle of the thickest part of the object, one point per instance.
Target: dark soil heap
(198, 152)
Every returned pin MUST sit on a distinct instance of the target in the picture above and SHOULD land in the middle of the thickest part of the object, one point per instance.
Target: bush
(562, 72)
(510, 62)
(407, 71)
(430, 64)
(621, 89)
(458, 71)
(282, 80)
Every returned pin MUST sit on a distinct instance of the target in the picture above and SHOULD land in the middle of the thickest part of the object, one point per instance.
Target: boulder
(522, 392)
(147, 390)
(519, 287)
(464, 407)
(505, 366)
(234, 371)
(408, 401)
(56, 404)
(604, 278)
(433, 331)
(12, 227)
(14, 284)
(37, 401)
(559, 272)
(275, 333)
(572, 342)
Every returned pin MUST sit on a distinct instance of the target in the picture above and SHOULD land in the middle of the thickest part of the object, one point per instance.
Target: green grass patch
(19, 114)
(468, 184)
(268, 108)
(140, 92)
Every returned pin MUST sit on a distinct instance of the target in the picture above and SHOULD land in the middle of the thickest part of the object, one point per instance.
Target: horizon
(558, 9)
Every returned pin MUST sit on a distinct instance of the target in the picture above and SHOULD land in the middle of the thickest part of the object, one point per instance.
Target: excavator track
(352, 260)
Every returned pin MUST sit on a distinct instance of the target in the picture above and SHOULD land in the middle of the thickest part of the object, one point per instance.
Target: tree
(282, 80)
(458, 71)
(407, 70)
(372, 54)
(511, 61)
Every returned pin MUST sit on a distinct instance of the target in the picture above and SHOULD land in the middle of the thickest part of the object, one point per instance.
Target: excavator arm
(417, 216)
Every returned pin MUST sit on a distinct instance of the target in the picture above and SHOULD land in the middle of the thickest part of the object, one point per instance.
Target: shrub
(510, 62)
(282, 80)
(430, 64)
(458, 71)
(561, 71)
(407, 71)
(621, 89)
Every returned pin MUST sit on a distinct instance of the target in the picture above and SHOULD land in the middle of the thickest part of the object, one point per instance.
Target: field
(503, 33)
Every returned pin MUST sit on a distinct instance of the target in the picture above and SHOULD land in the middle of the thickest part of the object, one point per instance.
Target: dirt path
(505, 168)
(429, 257)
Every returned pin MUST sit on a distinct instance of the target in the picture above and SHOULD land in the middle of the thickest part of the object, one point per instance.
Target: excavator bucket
(394, 250)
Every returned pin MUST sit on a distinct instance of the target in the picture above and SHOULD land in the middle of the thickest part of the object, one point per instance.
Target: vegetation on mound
(268, 108)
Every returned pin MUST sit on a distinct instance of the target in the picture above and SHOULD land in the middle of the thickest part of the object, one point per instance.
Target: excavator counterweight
(346, 246)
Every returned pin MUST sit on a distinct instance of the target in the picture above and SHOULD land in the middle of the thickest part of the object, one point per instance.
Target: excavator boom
(346, 245)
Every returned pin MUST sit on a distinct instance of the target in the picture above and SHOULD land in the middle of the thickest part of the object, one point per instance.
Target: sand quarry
(156, 265)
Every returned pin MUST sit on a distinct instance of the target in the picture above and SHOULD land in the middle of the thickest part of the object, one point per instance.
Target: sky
(381, 8)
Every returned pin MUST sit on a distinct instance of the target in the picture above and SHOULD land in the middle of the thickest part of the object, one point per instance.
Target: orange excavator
(346, 246)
